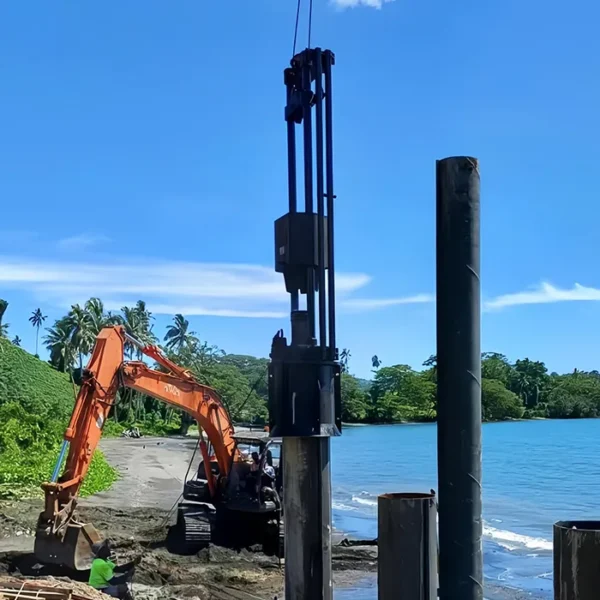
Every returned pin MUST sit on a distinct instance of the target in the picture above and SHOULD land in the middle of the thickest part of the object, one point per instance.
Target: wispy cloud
(81, 241)
(215, 289)
(366, 304)
(224, 290)
(194, 310)
(355, 3)
(545, 293)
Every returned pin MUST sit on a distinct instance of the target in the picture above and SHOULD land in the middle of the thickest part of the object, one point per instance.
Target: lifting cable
(243, 405)
(184, 479)
(310, 13)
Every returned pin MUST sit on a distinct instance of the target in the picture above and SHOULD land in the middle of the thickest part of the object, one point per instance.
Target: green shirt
(101, 573)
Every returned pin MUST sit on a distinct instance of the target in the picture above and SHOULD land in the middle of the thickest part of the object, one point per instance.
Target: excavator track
(193, 530)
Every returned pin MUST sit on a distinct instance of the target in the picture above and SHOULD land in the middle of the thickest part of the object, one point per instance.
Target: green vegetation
(35, 404)
(523, 389)
(240, 380)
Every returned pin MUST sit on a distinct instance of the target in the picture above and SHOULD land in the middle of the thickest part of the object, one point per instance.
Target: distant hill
(364, 384)
(33, 383)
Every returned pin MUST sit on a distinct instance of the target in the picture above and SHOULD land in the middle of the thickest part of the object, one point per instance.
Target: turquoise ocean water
(534, 473)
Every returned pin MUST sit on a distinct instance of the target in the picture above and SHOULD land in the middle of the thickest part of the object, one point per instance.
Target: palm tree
(3, 326)
(17, 341)
(112, 319)
(60, 345)
(144, 314)
(133, 326)
(137, 323)
(344, 358)
(37, 320)
(177, 335)
(82, 333)
(96, 315)
(145, 317)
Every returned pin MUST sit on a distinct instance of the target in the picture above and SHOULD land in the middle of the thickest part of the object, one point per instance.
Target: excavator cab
(255, 481)
(249, 507)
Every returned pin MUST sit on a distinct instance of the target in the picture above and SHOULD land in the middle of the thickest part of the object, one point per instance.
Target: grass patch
(35, 405)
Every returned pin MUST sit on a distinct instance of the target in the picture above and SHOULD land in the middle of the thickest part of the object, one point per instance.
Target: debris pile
(47, 588)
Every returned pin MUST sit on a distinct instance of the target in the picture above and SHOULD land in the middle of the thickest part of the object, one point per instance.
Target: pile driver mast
(304, 376)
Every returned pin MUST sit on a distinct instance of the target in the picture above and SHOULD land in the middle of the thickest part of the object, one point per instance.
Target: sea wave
(515, 541)
(365, 503)
(343, 507)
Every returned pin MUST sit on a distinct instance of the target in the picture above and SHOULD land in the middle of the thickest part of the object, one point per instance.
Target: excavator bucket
(74, 551)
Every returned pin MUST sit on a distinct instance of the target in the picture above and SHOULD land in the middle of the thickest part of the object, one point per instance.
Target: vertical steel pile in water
(577, 560)
(459, 379)
(407, 546)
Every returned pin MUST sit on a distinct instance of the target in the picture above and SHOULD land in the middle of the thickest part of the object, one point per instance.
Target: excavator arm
(60, 537)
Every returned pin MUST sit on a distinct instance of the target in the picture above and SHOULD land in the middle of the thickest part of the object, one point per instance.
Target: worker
(269, 470)
(103, 575)
(253, 478)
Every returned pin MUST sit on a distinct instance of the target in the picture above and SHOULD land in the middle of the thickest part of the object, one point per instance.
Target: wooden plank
(49, 592)
(34, 592)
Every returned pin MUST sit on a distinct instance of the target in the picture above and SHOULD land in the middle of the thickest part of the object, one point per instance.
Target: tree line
(523, 389)
(240, 380)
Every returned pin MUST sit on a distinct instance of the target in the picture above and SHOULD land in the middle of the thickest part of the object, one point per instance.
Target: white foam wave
(547, 575)
(343, 507)
(364, 501)
(508, 540)
(513, 541)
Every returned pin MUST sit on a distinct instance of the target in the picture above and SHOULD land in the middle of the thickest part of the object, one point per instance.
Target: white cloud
(194, 310)
(364, 304)
(227, 290)
(378, 4)
(544, 294)
(81, 241)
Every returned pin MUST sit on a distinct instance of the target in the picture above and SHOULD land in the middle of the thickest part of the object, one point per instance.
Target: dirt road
(152, 471)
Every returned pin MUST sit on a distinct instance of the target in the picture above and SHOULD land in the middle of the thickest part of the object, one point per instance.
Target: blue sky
(143, 155)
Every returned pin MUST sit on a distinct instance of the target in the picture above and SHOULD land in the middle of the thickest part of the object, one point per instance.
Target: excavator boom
(60, 537)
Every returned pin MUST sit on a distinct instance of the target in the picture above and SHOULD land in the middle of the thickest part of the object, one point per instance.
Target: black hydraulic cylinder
(327, 64)
(292, 188)
(576, 560)
(407, 546)
(459, 379)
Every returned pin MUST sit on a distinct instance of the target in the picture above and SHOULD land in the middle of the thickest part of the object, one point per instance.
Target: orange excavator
(218, 507)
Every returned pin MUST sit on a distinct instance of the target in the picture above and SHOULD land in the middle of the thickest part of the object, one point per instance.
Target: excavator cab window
(249, 480)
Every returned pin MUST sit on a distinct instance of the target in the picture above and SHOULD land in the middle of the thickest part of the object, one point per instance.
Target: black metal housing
(296, 249)
(304, 376)
(304, 392)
